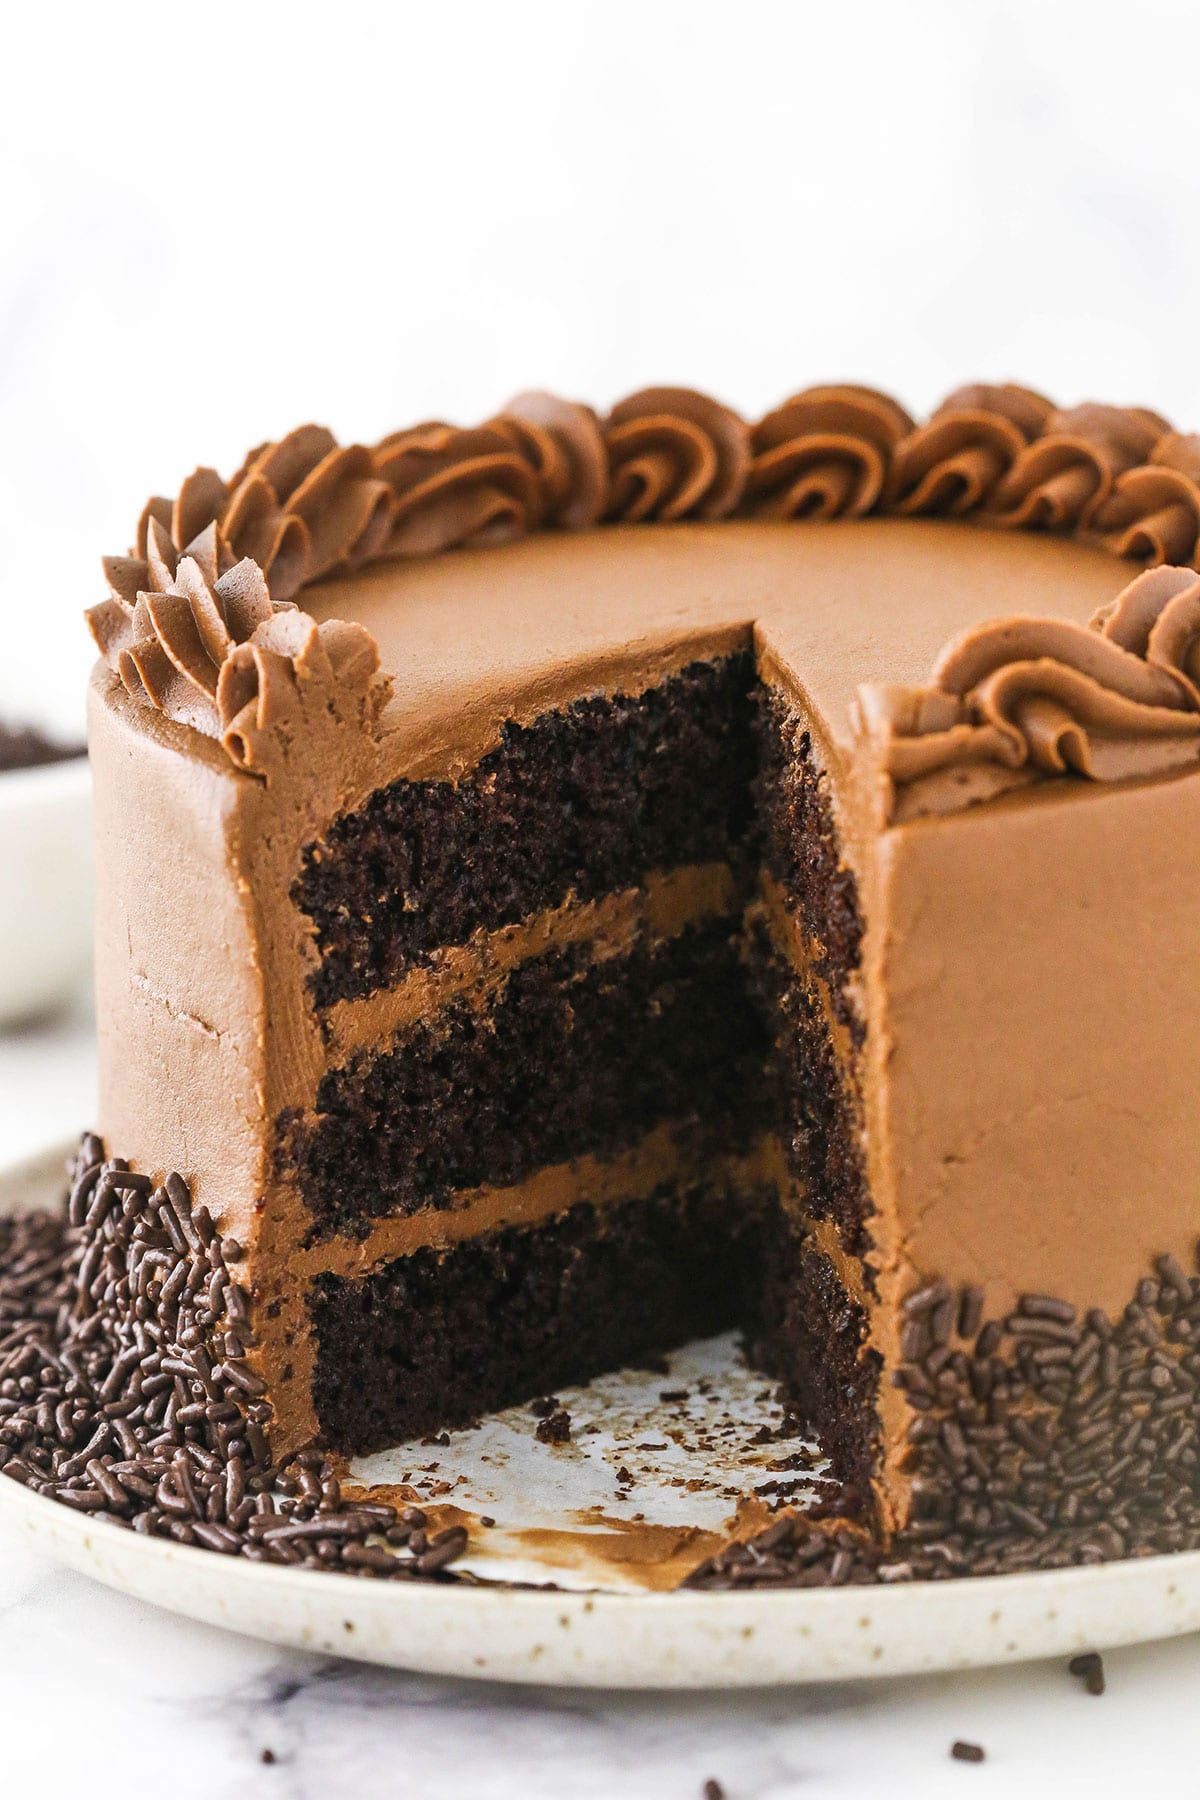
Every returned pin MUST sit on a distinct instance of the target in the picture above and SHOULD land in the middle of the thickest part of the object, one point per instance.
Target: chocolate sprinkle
(1039, 1441)
(961, 1751)
(1043, 1440)
(126, 1394)
(1090, 1669)
(24, 748)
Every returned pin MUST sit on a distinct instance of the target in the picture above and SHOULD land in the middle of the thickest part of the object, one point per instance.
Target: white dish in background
(45, 887)
(597, 1638)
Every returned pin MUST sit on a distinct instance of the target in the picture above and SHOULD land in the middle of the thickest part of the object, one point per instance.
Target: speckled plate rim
(681, 1640)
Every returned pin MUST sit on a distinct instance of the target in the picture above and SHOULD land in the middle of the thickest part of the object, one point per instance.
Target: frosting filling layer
(661, 907)
(574, 1056)
(582, 802)
(673, 1154)
(417, 1346)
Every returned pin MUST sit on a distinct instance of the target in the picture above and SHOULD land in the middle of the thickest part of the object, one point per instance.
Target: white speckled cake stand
(588, 1635)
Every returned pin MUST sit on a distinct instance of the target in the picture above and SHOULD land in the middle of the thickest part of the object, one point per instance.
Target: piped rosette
(1062, 479)
(304, 509)
(1021, 700)
(674, 454)
(205, 644)
(951, 465)
(825, 454)
(1152, 513)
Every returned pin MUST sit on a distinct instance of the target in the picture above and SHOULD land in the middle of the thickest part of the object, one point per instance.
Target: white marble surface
(204, 1704)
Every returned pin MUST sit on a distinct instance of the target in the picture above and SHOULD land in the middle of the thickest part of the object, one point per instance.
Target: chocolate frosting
(951, 465)
(825, 454)
(1068, 473)
(1021, 698)
(674, 454)
(306, 510)
(204, 642)
(1153, 511)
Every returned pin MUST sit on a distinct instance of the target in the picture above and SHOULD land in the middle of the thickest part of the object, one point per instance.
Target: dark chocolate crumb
(1089, 1667)
(555, 1428)
(964, 1752)
(267, 1756)
(712, 1790)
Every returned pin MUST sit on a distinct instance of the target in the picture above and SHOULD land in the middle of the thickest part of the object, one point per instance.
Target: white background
(219, 220)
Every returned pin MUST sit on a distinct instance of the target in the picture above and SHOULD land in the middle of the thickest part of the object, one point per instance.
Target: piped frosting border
(201, 622)
(1016, 700)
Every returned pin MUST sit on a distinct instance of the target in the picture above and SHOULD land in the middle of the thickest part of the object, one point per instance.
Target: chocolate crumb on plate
(267, 1756)
(1089, 1667)
(555, 1427)
(961, 1751)
(712, 1790)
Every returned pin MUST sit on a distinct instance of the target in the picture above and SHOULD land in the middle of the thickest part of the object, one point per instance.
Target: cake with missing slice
(587, 882)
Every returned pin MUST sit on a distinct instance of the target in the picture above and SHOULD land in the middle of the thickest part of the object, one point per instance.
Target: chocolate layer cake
(781, 917)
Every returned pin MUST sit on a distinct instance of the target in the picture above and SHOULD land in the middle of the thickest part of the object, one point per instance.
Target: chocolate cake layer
(800, 846)
(812, 1100)
(583, 801)
(573, 1056)
(435, 1340)
(807, 1330)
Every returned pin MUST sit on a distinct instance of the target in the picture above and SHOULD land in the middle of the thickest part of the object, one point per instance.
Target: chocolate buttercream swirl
(565, 444)
(1021, 699)
(1153, 512)
(824, 454)
(303, 509)
(674, 454)
(1061, 480)
(452, 488)
(306, 509)
(205, 644)
(951, 465)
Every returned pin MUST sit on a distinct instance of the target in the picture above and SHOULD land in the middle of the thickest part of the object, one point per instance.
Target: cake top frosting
(202, 625)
